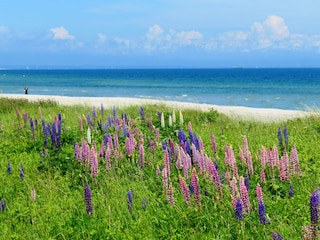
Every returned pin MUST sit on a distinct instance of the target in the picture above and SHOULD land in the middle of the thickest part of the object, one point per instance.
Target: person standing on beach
(25, 90)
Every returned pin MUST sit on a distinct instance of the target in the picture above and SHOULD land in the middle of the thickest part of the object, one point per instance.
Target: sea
(282, 88)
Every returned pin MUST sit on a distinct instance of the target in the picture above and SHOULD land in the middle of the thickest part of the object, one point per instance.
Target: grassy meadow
(153, 172)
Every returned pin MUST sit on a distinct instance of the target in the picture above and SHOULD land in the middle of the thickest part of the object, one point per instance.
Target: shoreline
(240, 112)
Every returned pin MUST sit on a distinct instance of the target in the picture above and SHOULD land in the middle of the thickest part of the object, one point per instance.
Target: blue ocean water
(262, 88)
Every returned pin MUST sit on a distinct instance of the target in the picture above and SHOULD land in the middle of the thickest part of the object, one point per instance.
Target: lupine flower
(174, 120)
(180, 118)
(141, 154)
(196, 188)
(286, 136)
(165, 179)
(130, 201)
(184, 190)
(170, 120)
(94, 162)
(107, 157)
(238, 209)
(244, 196)
(9, 169)
(32, 128)
(215, 177)
(280, 143)
(25, 118)
(262, 212)
(21, 171)
(310, 232)
(277, 236)
(213, 144)
(141, 110)
(170, 194)
(158, 171)
(259, 193)
(87, 198)
(89, 136)
(291, 190)
(247, 181)
(3, 206)
(33, 195)
(314, 207)
(102, 109)
(163, 125)
(294, 161)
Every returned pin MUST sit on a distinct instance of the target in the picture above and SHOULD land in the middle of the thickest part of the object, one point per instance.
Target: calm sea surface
(262, 88)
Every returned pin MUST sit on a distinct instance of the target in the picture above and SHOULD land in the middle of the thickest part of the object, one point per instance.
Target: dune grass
(42, 194)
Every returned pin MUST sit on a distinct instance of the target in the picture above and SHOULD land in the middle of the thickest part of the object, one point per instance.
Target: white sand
(258, 114)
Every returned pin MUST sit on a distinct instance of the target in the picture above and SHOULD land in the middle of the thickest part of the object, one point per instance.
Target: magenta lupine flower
(231, 161)
(129, 147)
(238, 209)
(263, 157)
(213, 144)
(244, 196)
(157, 132)
(94, 163)
(164, 179)
(263, 176)
(284, 169)
(186, 164)
(259, 193)
(294, 162)
(166, 162)
(170, 194)
(141, 155)
(215, 177)
(150, 124)
(87, 198)
(196, 188)
(184, 189)
(107, 157)
(76, 151)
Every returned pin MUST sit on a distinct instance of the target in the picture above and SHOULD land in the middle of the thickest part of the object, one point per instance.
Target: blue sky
(176, 33)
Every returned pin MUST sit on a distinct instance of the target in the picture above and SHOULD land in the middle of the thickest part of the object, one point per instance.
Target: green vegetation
(42, 192)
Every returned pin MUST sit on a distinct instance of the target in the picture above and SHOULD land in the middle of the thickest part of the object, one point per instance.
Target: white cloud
(60, 33)
(189, 37)
(102, 38)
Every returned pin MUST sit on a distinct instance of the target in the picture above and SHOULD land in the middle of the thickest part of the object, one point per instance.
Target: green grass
(59, 211)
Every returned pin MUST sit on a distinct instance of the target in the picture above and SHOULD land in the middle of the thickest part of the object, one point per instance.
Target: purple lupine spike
(238, 209)
(59, 142)
(3, 206)
(94, 113)
(187, 148)
(130, 201)
(190, 135)
(291, 190)
(141, 110)
(262, 212)
(181, 136)
(114, 111)
(159, 115)
(164, 145)
(32, 127)
(9, 169)
(87, 198)
(89, 122)
(277, 236)
(25, 118)
(102, 109)
(314, 207)
(286, 136)
(141, 155)
(60, 116)
(280, 142)
(21, 171)
(247, 181)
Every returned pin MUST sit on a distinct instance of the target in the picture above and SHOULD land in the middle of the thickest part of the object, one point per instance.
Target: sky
(159, 34)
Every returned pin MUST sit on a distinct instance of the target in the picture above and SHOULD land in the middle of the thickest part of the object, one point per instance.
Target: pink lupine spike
(263, 176)
(213, 144)
(259, 193)
(294, 162)
(116, 140)
(170, 194)
(166, 161)
(141, 156)
(215, 177)
(196, 188)
(263, 157)
(184, 189)
(94, 162)
(107, 157)
(244, 196)
(165, 180)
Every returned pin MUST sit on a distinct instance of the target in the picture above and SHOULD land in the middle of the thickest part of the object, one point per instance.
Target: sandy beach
(257, 114)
